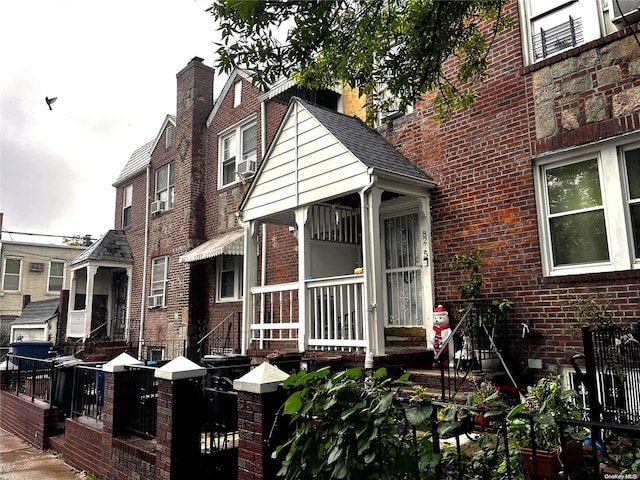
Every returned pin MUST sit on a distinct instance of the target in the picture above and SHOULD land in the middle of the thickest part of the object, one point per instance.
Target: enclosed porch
(100, 291)
(356, 213)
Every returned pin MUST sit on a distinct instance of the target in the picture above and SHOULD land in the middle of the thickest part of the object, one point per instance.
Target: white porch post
(250, 280)
(91, 272)
(127, 320)
(72, 298)
(304, 260)
(370, 201)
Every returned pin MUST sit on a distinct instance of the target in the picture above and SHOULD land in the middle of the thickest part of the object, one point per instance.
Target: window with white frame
(56, 275)
(229, 268)
(237, 93)
(168, 136)
(159, 282)
(127, 201)
(12, 274)
(589, 209)
(552, 26)
(164, 186)
(238, 153)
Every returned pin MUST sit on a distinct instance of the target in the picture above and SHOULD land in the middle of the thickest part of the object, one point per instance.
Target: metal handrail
(215, 328)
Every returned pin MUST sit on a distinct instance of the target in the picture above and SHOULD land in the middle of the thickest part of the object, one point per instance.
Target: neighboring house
(32, 272)
(38, 321)
(100, 294)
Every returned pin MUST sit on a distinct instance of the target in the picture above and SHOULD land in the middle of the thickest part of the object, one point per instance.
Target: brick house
(351, 250)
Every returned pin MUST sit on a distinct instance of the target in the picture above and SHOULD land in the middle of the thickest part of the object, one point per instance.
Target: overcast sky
(112, 65)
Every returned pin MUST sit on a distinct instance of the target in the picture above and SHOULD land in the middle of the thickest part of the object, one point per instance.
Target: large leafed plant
(356, 425)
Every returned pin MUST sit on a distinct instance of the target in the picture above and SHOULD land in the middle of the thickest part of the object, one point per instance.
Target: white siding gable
(305, 164)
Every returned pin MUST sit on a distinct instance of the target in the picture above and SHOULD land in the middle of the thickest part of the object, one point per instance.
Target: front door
(403, 270)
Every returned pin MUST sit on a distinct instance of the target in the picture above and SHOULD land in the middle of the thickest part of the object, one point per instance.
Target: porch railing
(334, 315)
(276, 314)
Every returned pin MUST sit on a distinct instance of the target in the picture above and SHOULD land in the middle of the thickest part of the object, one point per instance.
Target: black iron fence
(611, 375)
(142, 401)
(29, 376)
(87, 394)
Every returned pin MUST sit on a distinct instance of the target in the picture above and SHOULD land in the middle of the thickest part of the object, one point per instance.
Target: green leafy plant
(593, 310)
(404, 45)
(355, 425)
(544, 402)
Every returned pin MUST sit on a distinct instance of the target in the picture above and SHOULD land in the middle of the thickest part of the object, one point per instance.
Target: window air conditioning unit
(36, 267)
(158, 206)
(625, 11)
(155, 301)
(246, 169)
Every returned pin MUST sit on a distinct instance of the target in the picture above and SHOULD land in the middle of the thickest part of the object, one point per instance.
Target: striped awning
(231, 243)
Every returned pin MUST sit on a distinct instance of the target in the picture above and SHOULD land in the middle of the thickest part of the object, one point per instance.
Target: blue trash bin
(31, 348)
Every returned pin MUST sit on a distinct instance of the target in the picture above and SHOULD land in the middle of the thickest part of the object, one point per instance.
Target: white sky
(113, 67)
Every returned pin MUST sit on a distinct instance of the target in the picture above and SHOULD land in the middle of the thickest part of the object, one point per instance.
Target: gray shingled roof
(137, 162)
(112, 247)
(365, 143)
(38, 312)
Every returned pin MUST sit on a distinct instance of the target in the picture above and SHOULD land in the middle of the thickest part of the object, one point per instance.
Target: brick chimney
(194, 104)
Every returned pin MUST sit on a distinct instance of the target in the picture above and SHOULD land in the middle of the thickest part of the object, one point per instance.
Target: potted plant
(534, 429)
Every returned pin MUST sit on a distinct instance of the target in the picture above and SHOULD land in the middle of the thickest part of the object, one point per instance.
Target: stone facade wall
(592, 95)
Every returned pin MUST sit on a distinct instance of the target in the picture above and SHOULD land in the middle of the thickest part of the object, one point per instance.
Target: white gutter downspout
(144, 267)
(367, 264)
(263, 146)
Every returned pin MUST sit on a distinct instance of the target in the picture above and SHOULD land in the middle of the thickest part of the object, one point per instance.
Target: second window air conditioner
(155, 301)
(158, 206)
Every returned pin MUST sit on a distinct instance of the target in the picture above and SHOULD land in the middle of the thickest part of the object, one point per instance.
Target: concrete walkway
(21, 461)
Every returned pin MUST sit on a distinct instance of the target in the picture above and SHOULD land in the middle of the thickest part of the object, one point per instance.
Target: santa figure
(441, 332)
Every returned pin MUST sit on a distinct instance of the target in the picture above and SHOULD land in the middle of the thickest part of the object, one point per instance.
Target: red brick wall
(481, 161)
(31, 421)
(86, 447)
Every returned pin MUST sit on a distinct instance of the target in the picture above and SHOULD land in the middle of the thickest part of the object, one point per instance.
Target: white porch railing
(336, 313)
(334, 318)
(276, 317)
(76, 321)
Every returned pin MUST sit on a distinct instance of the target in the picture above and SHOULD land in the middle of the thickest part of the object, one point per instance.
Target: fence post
(178, 419)
(115, 406)
(260, 399)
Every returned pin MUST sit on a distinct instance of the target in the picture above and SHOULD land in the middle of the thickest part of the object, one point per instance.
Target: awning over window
(231, 243)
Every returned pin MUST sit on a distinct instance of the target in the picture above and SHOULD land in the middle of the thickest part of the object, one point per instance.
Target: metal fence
(88, 391)
(30, 376)
(612, 373)
(142, 401)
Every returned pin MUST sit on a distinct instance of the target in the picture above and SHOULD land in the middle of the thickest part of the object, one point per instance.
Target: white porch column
(127, 320)
(371, 258)
(249, 280)
(91, 272)
(304, 260)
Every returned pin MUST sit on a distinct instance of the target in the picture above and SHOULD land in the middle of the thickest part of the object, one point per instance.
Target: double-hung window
(12, 274)
(589, 209)
(552, 26)
(127, 201)
(238, 153)
(159, 282)
(164, 186)
(56, 275)
(229, 269)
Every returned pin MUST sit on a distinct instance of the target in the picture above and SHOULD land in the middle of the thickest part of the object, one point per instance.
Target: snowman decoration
(441, 332)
